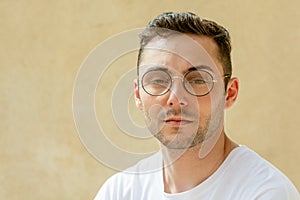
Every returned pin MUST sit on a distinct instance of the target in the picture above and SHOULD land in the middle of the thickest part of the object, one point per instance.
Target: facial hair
(186, 137)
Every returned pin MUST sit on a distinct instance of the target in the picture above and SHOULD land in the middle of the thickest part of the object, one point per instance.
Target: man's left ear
(231, 92)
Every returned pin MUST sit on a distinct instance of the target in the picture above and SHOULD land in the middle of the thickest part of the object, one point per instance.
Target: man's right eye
(159, 82)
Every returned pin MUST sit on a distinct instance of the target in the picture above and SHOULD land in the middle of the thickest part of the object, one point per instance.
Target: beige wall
(43, 44)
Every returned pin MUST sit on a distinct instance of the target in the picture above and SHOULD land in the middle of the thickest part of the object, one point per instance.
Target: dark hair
(187, 22)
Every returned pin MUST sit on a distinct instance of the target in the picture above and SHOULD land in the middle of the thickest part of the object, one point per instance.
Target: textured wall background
(43, 44)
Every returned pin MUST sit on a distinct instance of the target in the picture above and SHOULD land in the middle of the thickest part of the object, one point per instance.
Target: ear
(231, 92)
(138, 101)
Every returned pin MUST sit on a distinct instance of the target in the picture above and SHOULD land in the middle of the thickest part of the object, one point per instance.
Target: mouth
(177, 121)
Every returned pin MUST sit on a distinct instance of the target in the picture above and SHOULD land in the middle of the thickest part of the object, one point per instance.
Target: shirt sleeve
(117, 187)
(104, 193)
(279, 194)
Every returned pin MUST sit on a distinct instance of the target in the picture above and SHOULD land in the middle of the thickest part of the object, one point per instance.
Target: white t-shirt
(243, 175)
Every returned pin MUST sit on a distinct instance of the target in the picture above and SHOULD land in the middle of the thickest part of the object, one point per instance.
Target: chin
(179, 141)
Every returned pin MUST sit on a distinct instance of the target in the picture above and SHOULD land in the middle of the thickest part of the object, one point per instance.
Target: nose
(177, 96)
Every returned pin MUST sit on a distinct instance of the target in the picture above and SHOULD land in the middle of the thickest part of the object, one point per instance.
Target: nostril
(177, 102)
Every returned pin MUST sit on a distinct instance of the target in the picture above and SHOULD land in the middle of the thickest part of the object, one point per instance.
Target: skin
(190, 128)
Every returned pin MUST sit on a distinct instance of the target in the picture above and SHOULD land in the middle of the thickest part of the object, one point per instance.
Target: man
(184, 85)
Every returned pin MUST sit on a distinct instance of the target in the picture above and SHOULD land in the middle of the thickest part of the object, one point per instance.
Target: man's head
(189, 23)
(183, 67)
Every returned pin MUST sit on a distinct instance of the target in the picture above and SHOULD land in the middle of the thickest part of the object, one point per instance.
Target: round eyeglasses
(197, 82)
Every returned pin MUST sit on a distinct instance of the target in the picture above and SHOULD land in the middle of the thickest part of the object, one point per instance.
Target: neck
(190, 167)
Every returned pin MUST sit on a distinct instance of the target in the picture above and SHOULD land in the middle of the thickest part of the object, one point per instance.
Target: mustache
(178, 112)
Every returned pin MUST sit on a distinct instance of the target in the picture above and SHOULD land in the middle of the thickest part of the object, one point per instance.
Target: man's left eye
(197, 81)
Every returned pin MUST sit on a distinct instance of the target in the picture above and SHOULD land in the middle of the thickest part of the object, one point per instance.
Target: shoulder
(139, 177)
(117, 182)
(259, 177)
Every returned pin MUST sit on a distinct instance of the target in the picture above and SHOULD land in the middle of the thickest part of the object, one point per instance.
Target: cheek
(204, 106)
(149, 101)
(217, 96)
(151, 105)
(210, 107)
(153, 113)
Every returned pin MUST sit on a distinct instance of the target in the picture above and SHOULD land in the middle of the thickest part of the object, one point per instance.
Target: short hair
(190, 23)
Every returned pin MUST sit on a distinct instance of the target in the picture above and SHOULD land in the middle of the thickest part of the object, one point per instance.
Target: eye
(156, 78)
(197, 81)
(159, 81)
(198, 78)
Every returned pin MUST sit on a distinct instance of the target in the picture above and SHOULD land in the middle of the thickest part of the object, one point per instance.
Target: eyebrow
(200, 67)
(157, 68)
(193, 68)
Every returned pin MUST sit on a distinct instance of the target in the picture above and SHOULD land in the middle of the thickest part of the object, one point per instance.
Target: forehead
(180, 52)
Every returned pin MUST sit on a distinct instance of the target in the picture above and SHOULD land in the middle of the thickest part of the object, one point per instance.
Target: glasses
(197, 82)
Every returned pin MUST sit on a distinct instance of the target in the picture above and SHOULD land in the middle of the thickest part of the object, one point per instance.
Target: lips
(177, 121)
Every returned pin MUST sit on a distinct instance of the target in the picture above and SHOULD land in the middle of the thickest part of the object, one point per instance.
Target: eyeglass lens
(196, 82)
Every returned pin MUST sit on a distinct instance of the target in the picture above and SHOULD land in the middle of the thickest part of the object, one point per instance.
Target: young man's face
(176, 117)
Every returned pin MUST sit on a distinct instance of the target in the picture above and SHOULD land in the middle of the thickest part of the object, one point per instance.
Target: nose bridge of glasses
(177, 77)
(177, 87)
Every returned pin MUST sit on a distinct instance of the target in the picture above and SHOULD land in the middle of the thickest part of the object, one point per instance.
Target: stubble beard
(184, 138)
